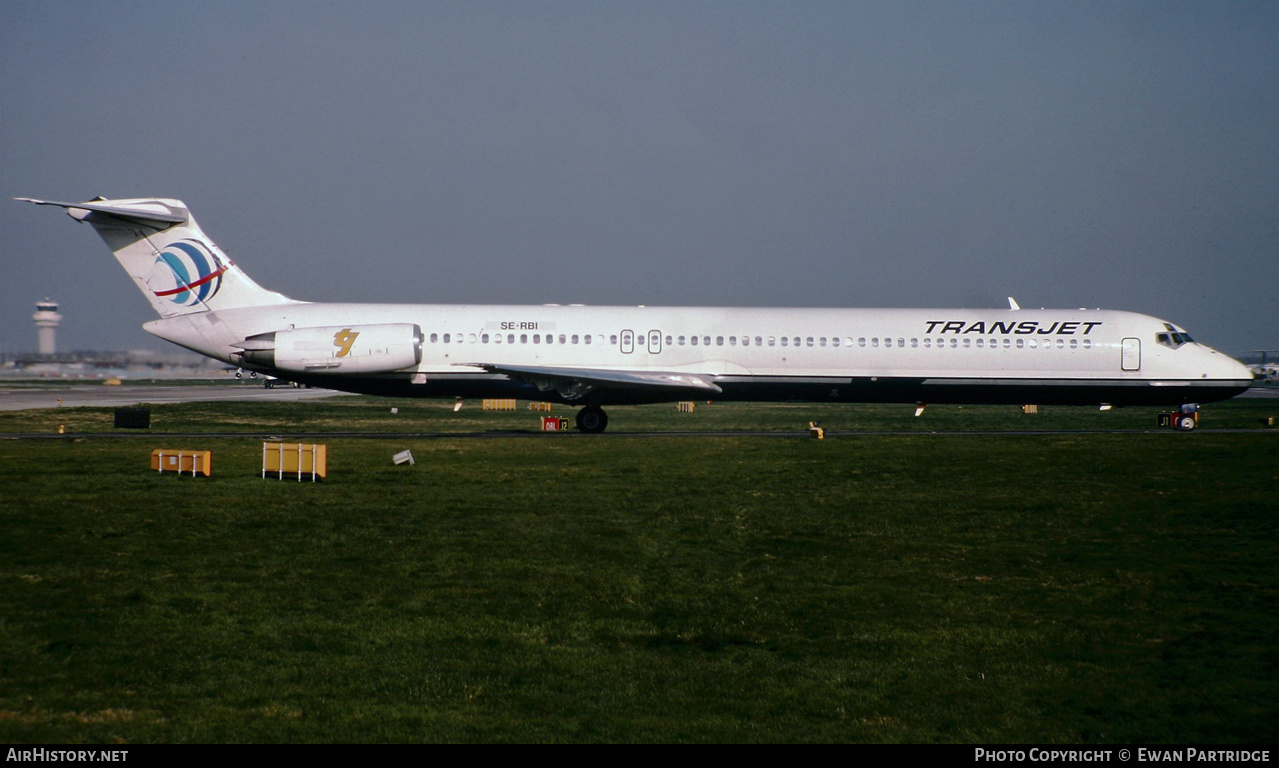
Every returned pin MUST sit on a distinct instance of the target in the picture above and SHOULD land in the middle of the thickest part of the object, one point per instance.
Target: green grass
(916, 588)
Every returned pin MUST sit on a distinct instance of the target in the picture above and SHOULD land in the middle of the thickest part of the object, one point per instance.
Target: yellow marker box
(182, 461)
(295, 461)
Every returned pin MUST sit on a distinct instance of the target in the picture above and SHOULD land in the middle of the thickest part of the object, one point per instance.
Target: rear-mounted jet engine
(336, 349)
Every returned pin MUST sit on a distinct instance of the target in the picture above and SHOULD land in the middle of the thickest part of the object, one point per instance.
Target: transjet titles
(1023, 328)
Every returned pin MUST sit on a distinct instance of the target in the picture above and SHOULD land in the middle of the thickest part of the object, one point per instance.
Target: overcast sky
(895, 154)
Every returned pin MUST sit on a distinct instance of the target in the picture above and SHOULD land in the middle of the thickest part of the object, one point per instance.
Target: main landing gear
(592, 419)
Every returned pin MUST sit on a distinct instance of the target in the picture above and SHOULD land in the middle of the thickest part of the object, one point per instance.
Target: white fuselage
(901, 355)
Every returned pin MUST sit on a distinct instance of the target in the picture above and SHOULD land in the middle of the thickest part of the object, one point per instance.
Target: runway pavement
(55, 395)
(73, 395)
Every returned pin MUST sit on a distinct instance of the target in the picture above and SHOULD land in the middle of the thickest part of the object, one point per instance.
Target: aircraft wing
(575, 383)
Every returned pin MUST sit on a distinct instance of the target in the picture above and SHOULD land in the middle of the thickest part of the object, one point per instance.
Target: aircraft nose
(1229, 368)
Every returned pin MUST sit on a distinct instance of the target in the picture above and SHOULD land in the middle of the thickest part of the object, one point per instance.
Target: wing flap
(574, 383)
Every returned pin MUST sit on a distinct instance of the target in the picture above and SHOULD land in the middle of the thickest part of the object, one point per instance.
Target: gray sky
(1103, 154)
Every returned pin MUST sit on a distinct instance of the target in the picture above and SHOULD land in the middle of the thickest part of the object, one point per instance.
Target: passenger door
(1131, 360)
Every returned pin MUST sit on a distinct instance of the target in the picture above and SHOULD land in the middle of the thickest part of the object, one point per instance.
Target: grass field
(864, 588)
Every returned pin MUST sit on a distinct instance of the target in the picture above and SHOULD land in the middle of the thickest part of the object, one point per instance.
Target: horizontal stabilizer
(162, 211)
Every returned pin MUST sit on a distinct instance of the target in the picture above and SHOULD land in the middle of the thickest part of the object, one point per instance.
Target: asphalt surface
(67, 395)
(72, 395)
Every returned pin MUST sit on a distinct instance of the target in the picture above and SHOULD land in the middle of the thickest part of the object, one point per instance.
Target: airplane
(1265, 370)
(594, 357)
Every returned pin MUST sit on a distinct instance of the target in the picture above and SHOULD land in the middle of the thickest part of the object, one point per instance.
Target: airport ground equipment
(303, 461)
(132, 418)
(1184, 420)
(180, 461)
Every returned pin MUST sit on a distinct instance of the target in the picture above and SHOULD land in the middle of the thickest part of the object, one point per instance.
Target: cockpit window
(1173, 339)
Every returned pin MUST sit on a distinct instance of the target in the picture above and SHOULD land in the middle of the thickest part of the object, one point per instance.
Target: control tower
(47, 319)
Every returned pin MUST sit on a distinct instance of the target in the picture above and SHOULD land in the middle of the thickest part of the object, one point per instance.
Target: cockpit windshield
(1173, 339)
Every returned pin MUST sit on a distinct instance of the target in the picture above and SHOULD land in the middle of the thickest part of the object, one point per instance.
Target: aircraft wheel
(592, 419)
(1186, 423)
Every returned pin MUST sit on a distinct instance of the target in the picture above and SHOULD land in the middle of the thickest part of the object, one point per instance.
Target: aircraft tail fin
(175, 265)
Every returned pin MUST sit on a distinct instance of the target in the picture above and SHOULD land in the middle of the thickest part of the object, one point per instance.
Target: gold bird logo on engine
(343, 340)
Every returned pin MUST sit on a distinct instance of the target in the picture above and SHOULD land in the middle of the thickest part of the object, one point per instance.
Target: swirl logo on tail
(186, 273)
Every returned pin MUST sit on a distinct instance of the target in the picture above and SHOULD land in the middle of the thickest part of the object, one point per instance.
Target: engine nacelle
(337, 349)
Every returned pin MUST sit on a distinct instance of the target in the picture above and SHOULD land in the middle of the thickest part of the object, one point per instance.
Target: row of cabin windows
(875, 341)
(510, 338)
(772, 341)
(982, 343)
